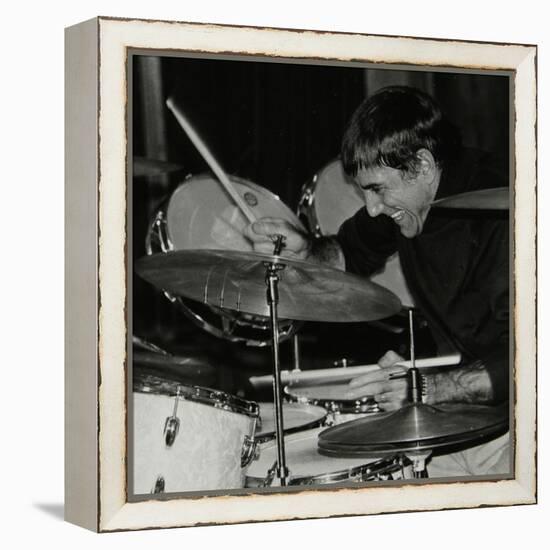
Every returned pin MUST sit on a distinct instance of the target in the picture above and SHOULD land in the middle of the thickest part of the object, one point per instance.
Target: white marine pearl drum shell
(206, 452)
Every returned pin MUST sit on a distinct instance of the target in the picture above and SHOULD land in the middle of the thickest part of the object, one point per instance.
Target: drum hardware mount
(172, 424)
(416, 393)
(275, 471)
(159, 486)
(415, 383)
(250, 451)
(270, 475)
(296, 354)
(272, 281)
(381, 470)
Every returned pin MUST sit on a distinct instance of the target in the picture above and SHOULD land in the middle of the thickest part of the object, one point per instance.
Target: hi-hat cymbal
(236, 280)
(415, 427)
(497, 198)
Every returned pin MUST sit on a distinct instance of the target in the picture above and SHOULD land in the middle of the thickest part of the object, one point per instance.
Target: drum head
(202, 215)
(296, 417)
(304, 462)
(336, 199)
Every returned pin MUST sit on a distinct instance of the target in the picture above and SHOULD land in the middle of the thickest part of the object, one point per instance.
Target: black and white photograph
(320, 285)
(274, 274)
(300, 274)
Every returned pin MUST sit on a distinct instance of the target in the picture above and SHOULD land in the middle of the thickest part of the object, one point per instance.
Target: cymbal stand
(272, 282)
(418, 458)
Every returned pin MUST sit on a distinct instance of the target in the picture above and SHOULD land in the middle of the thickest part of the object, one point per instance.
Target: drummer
(403, 154)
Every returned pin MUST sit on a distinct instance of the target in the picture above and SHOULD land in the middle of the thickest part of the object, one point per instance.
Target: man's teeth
(397, 215)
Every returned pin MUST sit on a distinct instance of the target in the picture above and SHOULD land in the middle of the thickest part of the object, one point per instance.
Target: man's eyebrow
(369, 186)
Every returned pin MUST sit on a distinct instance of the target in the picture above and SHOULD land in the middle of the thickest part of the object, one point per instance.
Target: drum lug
(250, 451)
(172, 423)
(159, 486)
(171, 429)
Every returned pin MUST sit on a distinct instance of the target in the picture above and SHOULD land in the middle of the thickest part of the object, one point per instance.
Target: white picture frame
(96, 301)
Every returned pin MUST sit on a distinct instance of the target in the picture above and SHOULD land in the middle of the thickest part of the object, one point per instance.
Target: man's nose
(374, 204)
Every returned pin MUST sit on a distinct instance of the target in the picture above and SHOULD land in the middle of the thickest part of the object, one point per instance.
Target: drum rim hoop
(203, 395)
(393, 463)
(167, 203)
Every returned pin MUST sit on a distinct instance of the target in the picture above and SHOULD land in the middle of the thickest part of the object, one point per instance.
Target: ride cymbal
(236, 280)
(497, 198)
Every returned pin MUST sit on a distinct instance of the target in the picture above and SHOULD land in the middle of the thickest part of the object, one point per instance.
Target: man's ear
(426, 167)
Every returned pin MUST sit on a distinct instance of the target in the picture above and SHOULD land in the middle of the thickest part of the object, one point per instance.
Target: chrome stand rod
(272, 280)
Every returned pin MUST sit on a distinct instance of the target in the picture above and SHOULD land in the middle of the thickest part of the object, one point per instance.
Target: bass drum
(200, 215)
(328, 200)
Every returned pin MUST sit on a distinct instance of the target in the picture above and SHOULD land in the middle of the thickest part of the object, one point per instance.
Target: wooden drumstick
(211, 161)
(318, 376)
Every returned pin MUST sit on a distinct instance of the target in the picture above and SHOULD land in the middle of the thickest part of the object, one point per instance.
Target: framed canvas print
(300, 274)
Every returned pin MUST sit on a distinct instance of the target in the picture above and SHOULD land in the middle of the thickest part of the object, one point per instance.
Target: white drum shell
(205, 455)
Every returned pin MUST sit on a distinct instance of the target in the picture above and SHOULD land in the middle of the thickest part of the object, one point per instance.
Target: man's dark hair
(391, 126)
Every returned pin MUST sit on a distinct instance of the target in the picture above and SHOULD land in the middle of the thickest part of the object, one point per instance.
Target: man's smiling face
(404, 198)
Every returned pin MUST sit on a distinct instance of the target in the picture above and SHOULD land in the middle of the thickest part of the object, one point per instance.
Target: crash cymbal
(415, 427)
(153, 167)
(236, 281)
(497, 198)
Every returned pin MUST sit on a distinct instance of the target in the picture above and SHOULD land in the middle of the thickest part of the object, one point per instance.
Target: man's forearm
(468, 384)
(327, 251)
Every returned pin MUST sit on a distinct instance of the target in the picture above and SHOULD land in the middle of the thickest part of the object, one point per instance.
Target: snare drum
(308, 467)
(201, 215)
(333, 398)
(296, 417)
(190, 438)
(327, 201)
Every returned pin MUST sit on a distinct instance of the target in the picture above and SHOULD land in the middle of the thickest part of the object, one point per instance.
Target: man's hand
(263, 232)
(390, 394)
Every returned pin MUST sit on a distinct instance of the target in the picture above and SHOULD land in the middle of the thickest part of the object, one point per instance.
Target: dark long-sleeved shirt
(457, 269)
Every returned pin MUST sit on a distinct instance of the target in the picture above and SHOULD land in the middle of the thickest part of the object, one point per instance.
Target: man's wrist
(428, 389)
(466, 384)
